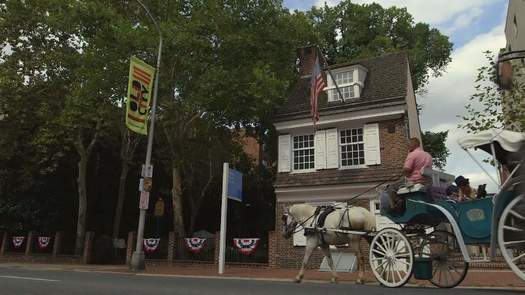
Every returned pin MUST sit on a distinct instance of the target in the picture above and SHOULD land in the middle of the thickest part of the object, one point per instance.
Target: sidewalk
(475, 278)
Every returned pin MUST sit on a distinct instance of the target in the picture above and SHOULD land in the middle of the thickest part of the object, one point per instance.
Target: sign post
(231, 188)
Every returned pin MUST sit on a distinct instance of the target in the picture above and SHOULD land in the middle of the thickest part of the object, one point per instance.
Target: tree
(228, 64)
(78, 72)
(434, 144)
(349, 31)
(490, 107)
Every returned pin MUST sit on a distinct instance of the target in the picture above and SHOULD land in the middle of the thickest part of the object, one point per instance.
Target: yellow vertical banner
(140, 89)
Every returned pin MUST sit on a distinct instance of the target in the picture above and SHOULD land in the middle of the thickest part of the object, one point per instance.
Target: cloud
(464, 20)
(447, 97)
(433, 12)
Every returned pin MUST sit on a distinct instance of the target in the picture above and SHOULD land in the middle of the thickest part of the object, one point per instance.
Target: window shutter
(284, 153)
(371, 139)
(332, 149)
(320, 150)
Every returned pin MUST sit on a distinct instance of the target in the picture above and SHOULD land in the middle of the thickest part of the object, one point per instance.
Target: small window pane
(352, 147)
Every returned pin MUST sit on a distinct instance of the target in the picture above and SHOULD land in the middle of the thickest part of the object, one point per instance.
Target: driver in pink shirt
(416, 160)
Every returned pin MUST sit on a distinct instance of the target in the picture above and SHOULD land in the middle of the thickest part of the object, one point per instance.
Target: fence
(173, 249)
(43, 247)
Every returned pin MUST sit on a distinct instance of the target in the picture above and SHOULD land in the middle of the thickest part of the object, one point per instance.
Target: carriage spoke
(516, 214)
(390, 273)
(396, 244)
(378, 252)
(383, 270)
(384, 242)
(404, 262)
(382, 248)
(512, 228)
(514, 242)
(445, 275)
(399, 274)
(404, 254)
(518, 257)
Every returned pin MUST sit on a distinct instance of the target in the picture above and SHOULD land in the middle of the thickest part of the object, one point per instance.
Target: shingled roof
(385, 85)
(336, 176)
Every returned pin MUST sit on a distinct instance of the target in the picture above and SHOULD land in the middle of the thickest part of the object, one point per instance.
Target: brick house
(359, 141)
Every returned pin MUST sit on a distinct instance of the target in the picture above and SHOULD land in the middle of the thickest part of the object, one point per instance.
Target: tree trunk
(120, 199)
(178, 211)
(82, 204)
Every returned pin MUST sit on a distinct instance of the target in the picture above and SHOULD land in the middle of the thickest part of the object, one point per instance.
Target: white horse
(354, 218)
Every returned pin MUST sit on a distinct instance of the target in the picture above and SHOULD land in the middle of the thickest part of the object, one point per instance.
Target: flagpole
(137, 259)
(330, 73)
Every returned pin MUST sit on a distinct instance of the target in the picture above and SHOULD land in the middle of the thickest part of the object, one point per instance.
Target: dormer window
(350, 81)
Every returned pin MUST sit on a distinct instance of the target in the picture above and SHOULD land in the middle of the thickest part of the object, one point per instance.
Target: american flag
(316, 86)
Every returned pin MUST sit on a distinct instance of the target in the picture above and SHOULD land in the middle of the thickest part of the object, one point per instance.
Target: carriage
(432, 234)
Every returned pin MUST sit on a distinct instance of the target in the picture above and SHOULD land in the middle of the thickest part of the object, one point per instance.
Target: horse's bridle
(293, 224)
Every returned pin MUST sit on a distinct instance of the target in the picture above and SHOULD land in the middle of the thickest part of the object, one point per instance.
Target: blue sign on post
(235, 185)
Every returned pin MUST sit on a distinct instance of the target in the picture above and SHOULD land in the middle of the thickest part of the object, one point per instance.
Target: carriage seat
(439, 179)
(405, 189)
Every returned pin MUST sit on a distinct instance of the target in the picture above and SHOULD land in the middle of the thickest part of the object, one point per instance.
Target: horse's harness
(318, 219)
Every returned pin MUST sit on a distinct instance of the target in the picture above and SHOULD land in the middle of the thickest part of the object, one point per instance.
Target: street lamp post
(137, 260)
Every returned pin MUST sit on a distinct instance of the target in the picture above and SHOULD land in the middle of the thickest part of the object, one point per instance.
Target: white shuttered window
(303, 152)
(320, 149)
(352, 147)
(372, 148)
(284, 153)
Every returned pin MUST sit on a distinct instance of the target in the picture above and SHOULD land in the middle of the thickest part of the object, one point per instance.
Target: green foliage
(225, 67)
(434, 144)
(349, 31)
(490, 107)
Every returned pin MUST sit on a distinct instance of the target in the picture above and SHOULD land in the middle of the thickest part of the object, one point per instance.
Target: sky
(474, 26)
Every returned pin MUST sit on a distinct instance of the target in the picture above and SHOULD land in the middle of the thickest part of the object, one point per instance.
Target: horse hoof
(297, 280)
(334, 281)
(359, 282)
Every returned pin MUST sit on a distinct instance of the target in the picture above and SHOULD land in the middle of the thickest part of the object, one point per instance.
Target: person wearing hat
(466, 192)
(452, 192)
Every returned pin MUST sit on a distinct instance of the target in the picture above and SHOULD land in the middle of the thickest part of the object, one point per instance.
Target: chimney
(307, 57)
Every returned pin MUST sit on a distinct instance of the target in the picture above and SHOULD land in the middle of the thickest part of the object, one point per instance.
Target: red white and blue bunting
(195, 245)
(18, 241)
(151, 245)
(43, 242)
(246, 246)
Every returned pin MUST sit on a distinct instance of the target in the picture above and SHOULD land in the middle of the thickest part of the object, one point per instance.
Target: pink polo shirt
(415, 162)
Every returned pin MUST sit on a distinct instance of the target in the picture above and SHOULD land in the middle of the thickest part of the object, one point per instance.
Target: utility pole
(137, 260)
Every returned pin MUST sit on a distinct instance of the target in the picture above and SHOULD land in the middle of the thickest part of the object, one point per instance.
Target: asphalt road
(50, 282)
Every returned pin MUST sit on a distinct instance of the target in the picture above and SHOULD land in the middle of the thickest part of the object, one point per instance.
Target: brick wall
(393, 140)
(393, 144)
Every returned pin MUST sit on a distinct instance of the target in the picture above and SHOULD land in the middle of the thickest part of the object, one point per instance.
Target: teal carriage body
(474, 218)
(436, 231)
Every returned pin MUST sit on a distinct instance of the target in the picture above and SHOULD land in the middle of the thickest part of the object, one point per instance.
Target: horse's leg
(328, 255)
(311, 244)
(360, 262)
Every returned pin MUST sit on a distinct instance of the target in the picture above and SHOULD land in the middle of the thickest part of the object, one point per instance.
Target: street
(18, 281)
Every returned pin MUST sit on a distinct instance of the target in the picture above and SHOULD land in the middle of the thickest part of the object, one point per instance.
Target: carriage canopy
(505, 142)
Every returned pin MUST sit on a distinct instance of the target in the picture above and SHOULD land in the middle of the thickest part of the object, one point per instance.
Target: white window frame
(332, 90)
(292, 156)
(340, 143)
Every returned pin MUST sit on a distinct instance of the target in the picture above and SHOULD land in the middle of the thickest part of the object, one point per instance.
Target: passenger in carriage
(466, 192)
(453, 192)
(415, 162)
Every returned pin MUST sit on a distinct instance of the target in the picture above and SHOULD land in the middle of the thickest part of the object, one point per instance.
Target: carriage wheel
(391, 258)
(449, 267)
(511, 235)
